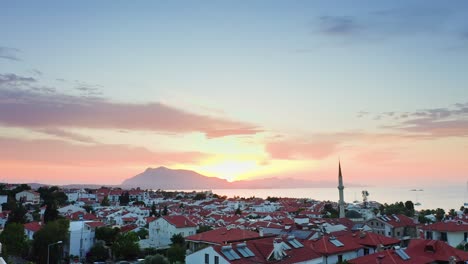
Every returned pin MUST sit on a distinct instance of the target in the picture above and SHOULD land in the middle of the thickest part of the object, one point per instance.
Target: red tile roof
(420, 251)
(223, 235)
(95, 224)
(33, 226)
(326, 247)
(371, 239)
(86, 216)
(457, 226)
(398, 221)
(262, 249)
(389, 257)
(128, 228)
(150, 219)
(179, 221)
(435, 249)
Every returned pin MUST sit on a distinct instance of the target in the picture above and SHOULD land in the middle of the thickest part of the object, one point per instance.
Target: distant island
(166, 178)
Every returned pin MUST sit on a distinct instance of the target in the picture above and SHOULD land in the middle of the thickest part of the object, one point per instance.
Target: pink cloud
(33, 108)
(56, 152)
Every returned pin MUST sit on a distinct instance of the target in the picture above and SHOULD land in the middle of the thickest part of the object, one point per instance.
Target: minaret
(341, 203)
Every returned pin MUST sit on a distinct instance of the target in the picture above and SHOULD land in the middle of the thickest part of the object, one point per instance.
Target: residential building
(220, 236)
(396, 226)
(452, 232)
(81, 237)
(419, 251)
(28, 196)
(336, 249)
(162, 229)
(260, 250)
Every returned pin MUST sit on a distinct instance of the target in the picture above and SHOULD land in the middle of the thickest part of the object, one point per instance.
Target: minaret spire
(341, 203)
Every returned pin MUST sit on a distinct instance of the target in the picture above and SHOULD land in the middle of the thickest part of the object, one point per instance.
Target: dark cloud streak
(23, 105)
(9, 54)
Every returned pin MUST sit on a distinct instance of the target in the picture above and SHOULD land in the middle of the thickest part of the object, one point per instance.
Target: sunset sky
(97, 91)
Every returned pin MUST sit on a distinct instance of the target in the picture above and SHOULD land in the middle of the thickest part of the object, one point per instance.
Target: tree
(142, 233)
(409, 206)
(178, 239)
(329, 211)
(203, 228)
(52, 232)
(124, 199)
(164, 212)
(13, 240)
(98, 252)
(89, 209)
(452, 212)
(439, 214)
(153, 210)
(199, 196)
(156, 259)
(51, 213)
(272, 199)
(105, 201)
(17, 214)
(107, 234)
(176, 253)
(238, 211)
(406, 208)
(126, 246)
(52, 195)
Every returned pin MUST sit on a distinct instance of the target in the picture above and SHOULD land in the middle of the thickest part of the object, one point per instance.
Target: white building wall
(79, 231)
(199, 257)
(3, 199)
(161, 232)
(455, 238)
(388, 231)
(72, 197)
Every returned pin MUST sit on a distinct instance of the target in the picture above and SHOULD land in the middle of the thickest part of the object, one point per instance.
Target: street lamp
(48, 248)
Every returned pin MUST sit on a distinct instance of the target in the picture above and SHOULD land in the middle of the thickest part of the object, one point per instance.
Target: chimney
(379, 258)
(260, 231)
(278, 252)
(452, 260)
(362, 233)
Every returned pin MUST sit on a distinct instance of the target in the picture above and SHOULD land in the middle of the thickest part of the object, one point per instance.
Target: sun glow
(229, 169)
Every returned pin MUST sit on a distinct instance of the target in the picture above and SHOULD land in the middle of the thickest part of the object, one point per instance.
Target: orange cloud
(58, 152)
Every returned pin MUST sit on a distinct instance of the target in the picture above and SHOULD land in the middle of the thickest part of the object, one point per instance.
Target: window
(340, 258)
(428, 235)
(207, 259)
(398, 233)
(216, 260)
(443, 236)
(366, 251)
(465, 236)
(389, 233)
(371, 223)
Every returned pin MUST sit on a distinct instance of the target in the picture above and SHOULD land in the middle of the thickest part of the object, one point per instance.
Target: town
(114, 225)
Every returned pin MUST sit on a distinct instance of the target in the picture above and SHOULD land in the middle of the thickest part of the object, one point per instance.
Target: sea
(445, 197)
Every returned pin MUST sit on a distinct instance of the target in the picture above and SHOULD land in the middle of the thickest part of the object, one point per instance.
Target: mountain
(165, 178)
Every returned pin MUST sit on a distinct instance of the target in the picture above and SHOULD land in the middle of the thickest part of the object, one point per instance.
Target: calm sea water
(447, 197)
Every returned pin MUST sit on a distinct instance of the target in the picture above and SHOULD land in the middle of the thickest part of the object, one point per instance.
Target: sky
(97, 91)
